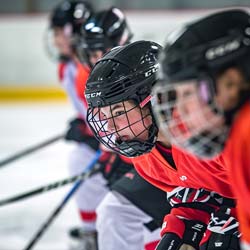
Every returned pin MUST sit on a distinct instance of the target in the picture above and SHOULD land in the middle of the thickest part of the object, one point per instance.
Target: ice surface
(21, 126)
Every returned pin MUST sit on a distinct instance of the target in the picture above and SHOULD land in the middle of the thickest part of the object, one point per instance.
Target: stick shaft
(30, 150)
(76, 186)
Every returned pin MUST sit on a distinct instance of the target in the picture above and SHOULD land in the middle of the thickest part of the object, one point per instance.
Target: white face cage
(49, 41)
(50, 48)
(189, 118)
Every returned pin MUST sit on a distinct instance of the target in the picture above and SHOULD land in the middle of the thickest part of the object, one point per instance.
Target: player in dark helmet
(191, 64)
(118, 92)
(103, 31)
(66, 20)
(204, 96)
(73, 13)
(129, 75)
(110, 30)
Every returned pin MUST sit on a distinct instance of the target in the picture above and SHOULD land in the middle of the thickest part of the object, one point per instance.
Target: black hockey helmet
(68, 15)
(72, 12)
(126, 73)
(104, 30)
(195, 55)
(209, 44)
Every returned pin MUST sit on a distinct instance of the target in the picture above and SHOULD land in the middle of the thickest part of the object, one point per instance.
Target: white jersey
(69, 84)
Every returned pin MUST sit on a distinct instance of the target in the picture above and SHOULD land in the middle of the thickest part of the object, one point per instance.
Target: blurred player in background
(206, 80)
(65, 22)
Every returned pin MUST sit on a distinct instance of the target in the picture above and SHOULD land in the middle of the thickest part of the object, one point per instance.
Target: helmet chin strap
(135, 147)
(64, 58)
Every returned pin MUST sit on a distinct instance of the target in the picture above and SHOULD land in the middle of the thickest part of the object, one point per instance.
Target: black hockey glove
(222, 231)
(114, 167)
(79, 131)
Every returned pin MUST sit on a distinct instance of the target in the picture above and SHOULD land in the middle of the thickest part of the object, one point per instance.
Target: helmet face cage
(49, 40)
(50, 47)
(190, 119)
(118, 93)
(129, 121)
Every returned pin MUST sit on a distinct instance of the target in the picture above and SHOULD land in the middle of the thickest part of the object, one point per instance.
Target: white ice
(21, 126)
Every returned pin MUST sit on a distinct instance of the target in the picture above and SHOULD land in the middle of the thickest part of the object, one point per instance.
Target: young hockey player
(134, 203)
(120, 114)
(65, 22)
(116, 31)
(206, 71)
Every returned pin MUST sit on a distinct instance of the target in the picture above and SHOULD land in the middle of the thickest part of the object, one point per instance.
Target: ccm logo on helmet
(152, 70)
(222, 49)
(93, 95)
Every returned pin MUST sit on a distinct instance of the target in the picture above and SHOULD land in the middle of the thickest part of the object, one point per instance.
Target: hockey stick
(76, 186)
(43, 189)
(30, 150)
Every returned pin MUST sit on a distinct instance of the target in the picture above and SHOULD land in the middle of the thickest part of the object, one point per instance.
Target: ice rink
(21, 126)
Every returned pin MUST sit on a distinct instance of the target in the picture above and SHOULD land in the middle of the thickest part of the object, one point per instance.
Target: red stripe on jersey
(88, 216)
(151, 245)
(60, 71)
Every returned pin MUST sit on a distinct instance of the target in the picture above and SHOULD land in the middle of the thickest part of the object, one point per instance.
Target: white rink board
(23, 58)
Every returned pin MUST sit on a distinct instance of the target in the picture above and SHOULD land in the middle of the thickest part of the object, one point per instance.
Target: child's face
(229, 86)
(126, 121)
(192, 112)
(193, 109)
(94, 56)
(62, 41)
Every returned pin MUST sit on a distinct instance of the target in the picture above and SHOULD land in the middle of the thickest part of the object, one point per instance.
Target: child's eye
(121, 112)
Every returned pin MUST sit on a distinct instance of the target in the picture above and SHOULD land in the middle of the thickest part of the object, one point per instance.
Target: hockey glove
(222, 231)
(79, 131)
(114, 167)
(179, 231)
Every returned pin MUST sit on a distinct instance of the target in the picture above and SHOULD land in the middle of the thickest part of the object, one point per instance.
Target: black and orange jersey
(189, 171)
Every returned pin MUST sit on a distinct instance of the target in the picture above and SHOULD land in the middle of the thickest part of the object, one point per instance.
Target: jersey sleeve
(69, 83)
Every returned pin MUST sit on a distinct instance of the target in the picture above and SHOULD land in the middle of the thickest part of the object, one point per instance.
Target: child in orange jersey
(118, 92)
(66, 20)
(206, 81)
(131, 202)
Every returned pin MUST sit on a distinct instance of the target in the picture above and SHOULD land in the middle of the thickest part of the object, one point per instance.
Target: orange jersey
(238, 155)
(81, 80)
(190, 172)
